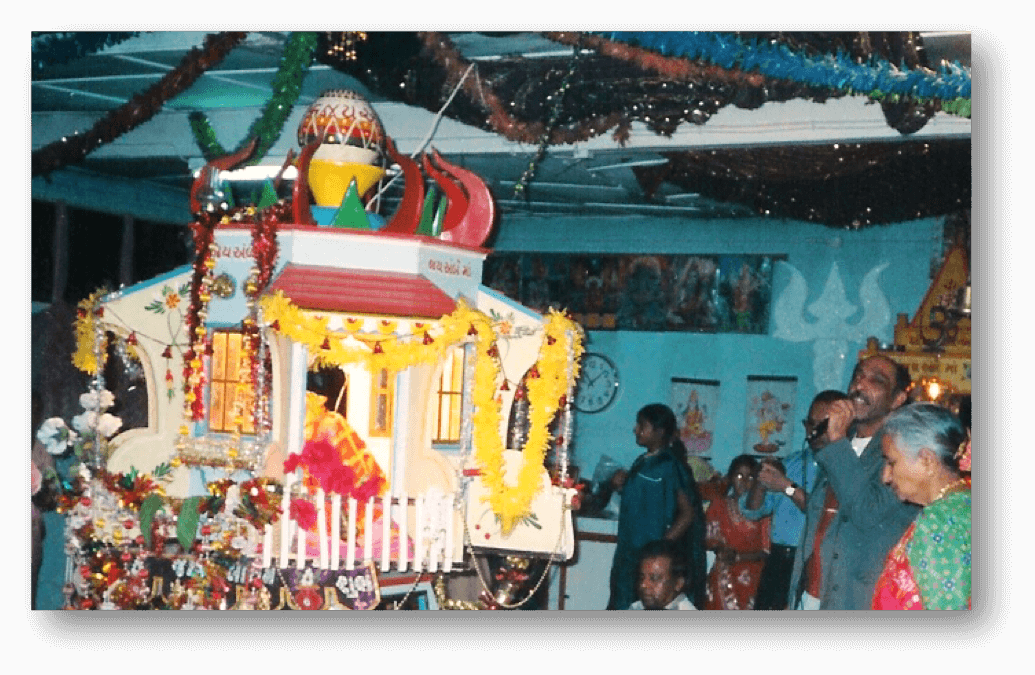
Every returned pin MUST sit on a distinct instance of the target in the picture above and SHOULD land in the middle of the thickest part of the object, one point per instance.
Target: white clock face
(597, 384)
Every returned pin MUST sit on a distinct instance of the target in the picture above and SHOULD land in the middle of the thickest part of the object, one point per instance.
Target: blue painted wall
(647, 361)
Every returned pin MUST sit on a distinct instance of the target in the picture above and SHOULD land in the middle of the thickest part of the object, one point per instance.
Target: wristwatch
(790, 490)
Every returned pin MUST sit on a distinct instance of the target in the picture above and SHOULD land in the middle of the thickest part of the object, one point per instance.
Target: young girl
(659, 501)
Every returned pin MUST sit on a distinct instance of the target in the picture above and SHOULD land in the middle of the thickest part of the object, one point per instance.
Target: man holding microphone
(861, 516)
(781, 490)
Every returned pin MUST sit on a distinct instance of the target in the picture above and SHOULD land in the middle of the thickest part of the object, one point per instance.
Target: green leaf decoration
(427, 216)
(229, 194)
(187, 522)
(148, 508)
(269, 195)
(351, 215)
(436, 226)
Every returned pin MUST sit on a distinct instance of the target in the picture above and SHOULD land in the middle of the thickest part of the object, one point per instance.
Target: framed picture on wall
(695, 403)
(769, 427)
(707, 293)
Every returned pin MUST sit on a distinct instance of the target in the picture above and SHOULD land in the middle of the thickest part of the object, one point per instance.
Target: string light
(342, 46)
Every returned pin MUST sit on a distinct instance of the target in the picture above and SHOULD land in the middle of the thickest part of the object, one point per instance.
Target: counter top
(603, 523)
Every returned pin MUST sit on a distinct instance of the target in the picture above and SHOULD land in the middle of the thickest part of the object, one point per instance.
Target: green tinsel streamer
(286, 85)
(959, 106)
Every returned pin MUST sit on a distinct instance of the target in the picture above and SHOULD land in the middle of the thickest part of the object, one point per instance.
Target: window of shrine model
(449, 398)
(231, 392)
(382, 396)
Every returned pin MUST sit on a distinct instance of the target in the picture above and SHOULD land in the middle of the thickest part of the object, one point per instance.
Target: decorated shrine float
(328, 395)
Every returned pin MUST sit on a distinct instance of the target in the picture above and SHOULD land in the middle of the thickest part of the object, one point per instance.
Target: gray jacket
(869, 522)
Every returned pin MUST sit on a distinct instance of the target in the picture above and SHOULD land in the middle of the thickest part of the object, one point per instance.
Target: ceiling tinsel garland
(442, 50)
(852, 186)
(49, 49)
(677, 69)
(286, 87)
(139, 109)
(877, 77)
(544, 142)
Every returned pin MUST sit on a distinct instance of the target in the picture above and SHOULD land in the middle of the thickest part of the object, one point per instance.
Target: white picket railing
(428, 520)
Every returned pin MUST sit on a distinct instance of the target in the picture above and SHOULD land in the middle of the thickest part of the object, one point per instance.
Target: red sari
(734, 586)
(930, 566)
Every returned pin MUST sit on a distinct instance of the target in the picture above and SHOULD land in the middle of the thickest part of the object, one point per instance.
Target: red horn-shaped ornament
(476, 226)
(454, 195)
(407, 216)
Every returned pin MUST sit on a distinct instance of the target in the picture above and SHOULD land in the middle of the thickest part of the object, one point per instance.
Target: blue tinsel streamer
(779, 61)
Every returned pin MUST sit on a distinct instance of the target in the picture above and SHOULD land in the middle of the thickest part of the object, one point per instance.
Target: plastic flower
(97, 400)
(340, 479)
(55, 435)
(108, 424)
(304, 512)
(85, 422)
(371, 487)
(233, 499)
(963, 455)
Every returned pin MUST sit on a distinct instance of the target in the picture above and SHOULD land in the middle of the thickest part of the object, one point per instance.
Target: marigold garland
(85, 357)
(562, 337)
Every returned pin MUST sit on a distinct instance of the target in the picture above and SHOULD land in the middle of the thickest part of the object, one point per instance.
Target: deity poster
(695, 403)
(769, 428)
(717, 293)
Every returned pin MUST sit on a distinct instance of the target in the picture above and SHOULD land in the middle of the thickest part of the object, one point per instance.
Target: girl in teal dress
(659, 501)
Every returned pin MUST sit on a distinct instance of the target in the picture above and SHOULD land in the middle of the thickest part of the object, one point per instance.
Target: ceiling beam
(846, 120)
(144, 200)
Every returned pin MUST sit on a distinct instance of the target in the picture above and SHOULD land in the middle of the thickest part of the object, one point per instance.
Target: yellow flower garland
(556, 372)
(85, 358)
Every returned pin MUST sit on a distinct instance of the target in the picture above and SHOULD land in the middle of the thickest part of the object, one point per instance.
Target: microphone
(820, 429)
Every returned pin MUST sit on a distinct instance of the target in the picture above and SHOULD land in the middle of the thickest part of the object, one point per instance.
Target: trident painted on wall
(831, 332)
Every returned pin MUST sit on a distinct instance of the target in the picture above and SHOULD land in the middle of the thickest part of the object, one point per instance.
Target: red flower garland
(203, 229)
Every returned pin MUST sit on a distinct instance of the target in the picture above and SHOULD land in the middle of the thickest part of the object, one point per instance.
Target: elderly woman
(927, 462)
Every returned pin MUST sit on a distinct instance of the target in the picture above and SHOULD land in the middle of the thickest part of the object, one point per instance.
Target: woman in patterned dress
(740, 545)
(927, 462)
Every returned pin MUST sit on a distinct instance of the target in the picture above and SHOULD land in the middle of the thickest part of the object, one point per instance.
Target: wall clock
(597, 386)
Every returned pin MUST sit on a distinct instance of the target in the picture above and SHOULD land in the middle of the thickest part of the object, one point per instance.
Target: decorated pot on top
(351, 145)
